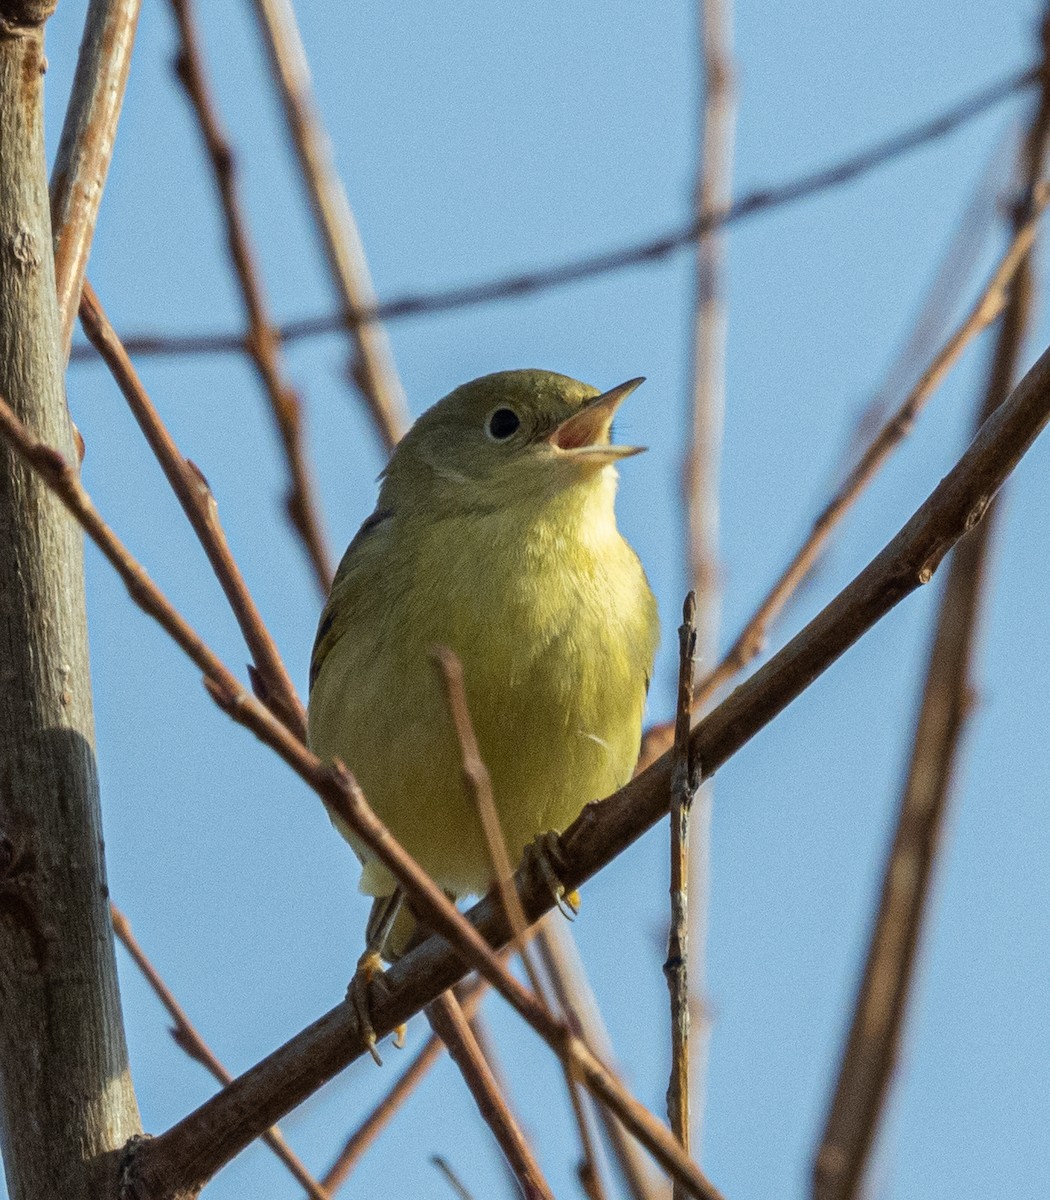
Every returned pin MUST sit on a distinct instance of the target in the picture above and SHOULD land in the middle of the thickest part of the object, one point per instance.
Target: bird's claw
(369, 968)
(546, 853)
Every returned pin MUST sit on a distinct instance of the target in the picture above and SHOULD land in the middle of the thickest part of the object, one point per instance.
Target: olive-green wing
(337, 612)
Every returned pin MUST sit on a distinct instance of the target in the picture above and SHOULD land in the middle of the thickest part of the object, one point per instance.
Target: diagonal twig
(880, 1008)
(263, 340)
(86, 146)
(751, 640)
(761, 200)
(373, 1125)
(195, 496)
(685, 778)
(448, 1022)
(479, 784)
(557, 951)
(701, 465)
(372, 366)
(188, 1038)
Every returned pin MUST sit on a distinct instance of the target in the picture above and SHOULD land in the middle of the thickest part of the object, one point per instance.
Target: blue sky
(482, 138)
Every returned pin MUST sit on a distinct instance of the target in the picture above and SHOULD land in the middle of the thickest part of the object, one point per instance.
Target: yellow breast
(554, 622)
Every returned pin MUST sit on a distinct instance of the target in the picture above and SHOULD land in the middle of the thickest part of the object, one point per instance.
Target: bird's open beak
(586, 433)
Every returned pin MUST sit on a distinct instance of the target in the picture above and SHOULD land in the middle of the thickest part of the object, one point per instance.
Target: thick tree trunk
(66, 1101)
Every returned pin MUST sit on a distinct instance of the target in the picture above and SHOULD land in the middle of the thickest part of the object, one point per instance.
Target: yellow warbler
(494, 535)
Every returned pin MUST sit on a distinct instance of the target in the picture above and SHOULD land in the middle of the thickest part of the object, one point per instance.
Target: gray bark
(66, 1101)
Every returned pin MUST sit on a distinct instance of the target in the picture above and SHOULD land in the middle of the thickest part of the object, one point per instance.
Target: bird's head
(507, 438)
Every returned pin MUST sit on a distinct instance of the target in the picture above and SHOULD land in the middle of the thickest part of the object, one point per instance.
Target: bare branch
(701, 469)
(86, 146)
(561, 961)
(449, 1023)
(760, 201)
(67, 1104)
(373, 1125)
(751, 639)
(263, 340)
(881, 1004)
(479, 784)
(189, 1039)
(372, 366)
(684, 781)
(194, 494)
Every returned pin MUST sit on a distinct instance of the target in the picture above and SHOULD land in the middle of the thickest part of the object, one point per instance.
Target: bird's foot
(370, 969)
(545, 853)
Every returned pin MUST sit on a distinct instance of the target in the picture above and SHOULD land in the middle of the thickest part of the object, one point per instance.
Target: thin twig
(86, 146)
(479, 784)
(263, 341)
(448, 1022)
(188, 1038)
(685, 778)
(752, 638)
(454, 1180)
(372, 364)
(343, 797)
(759, 201)
(557, 951)
(881, 1004)
(193, 1150)
(407, 1082)
(701, 469)
(271, 680)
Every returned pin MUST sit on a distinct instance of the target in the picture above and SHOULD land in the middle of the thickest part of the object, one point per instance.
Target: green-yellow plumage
(504, 547)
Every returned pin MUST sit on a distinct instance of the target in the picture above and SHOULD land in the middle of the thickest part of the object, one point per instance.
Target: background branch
(263, 340)
(751, 640)
(652, 250)
(67, 1106)
(188, 1038)
(86, 146)
(881, 1005)
(372, 363)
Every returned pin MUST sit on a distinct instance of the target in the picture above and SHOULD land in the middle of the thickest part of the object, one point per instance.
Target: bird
(494, 535)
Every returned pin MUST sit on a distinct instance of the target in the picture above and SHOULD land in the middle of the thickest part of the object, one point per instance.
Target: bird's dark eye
(502, 423)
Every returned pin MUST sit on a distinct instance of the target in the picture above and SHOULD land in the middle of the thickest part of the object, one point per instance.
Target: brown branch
(263, 340)
(685, 778)
(365, 1134)
(751, 640)
(188, 1038)
(198, 1145)
(454, 1181)
(561, 961)
(700, 493)
(168, 1164)
(762, 200)
(448, 1022)
(881, 1005)
(198, 503)
(86, 146)
(479, 784)
(372, 366)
